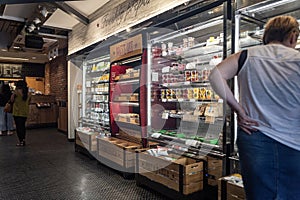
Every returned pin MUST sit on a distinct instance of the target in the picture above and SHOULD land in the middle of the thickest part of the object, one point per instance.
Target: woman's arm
(12, 97)
(224, 71)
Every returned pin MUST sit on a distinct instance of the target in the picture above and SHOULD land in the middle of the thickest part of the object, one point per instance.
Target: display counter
(43, 111)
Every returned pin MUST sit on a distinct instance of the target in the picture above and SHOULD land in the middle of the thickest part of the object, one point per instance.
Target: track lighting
(31, 28)
(37, 20)
(44, 12)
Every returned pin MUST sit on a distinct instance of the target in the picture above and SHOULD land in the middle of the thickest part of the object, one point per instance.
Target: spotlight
(31, 27)
(44, 12)
(37, 21)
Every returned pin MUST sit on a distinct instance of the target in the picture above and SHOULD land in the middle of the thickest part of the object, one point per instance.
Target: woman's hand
(246, 123)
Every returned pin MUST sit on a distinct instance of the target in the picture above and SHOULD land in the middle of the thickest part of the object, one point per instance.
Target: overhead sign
(127, 48)
(114, 17)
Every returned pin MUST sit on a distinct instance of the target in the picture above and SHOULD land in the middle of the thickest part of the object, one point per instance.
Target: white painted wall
(74, 78)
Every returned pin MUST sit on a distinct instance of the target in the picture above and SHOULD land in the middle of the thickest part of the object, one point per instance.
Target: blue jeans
(6, 121)
(270, 170)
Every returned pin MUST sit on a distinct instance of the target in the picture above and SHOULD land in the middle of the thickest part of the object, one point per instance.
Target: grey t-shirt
(269, 90)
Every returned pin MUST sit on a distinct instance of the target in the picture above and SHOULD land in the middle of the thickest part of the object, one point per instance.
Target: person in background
(268, 111)
(21, 100)
(6, 119)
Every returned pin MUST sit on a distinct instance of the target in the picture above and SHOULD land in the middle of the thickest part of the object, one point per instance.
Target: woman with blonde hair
(268, 110)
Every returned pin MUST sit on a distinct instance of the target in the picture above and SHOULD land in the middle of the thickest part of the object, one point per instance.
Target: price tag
(164, 100)
(191, 143)
(190, 118)
(156, 135)
(180, 100)
(88, 83)
(192, 100)
(165, 115)
(154, 76)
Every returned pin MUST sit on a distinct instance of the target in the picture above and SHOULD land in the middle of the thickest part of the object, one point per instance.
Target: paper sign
(165, 115)
(154, 76)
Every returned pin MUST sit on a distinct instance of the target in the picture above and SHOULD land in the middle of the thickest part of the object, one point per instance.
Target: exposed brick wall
(47, 79)
(56, 82)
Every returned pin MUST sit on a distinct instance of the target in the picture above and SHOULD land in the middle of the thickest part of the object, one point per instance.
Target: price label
(165, 116)
(164, 100)
(192, 100)
(180, 100)
(154, 76)
(156, 135)
(88, 84)
(190, 118)
(191, 143)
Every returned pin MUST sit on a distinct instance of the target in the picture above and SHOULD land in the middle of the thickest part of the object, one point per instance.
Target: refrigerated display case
(127, 105)
(94, 103)
(185, 116)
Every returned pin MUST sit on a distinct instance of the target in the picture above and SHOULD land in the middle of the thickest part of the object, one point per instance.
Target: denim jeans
(6, 121)
(270, 170)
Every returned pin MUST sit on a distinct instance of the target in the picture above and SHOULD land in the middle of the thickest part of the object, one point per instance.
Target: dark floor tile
(48, 168)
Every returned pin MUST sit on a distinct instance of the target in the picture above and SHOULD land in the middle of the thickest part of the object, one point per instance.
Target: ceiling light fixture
(31, 27)
(37, 21)
(44, 12)
(13, 58)
(268, 6)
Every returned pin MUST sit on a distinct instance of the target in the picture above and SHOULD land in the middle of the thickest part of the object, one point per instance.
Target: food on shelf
(101, 66)
(132, 118)
(200, 110)
(128, 97)
(130, 73)
(104, 77)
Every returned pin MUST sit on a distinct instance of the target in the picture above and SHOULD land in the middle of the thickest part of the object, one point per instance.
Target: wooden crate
(182, 174)
(87, 141)
(118, 151)
(215, 170)
(229, 190)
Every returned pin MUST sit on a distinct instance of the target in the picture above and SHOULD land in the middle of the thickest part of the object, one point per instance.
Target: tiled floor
(48, 168)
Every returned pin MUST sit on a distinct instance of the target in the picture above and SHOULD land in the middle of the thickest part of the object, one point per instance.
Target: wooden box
(184, 175)
(87, 140)
(235, 192)
(214, 169)
(230, 190)
(118, 151)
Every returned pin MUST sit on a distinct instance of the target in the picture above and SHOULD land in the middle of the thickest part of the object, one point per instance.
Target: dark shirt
(4, 98)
